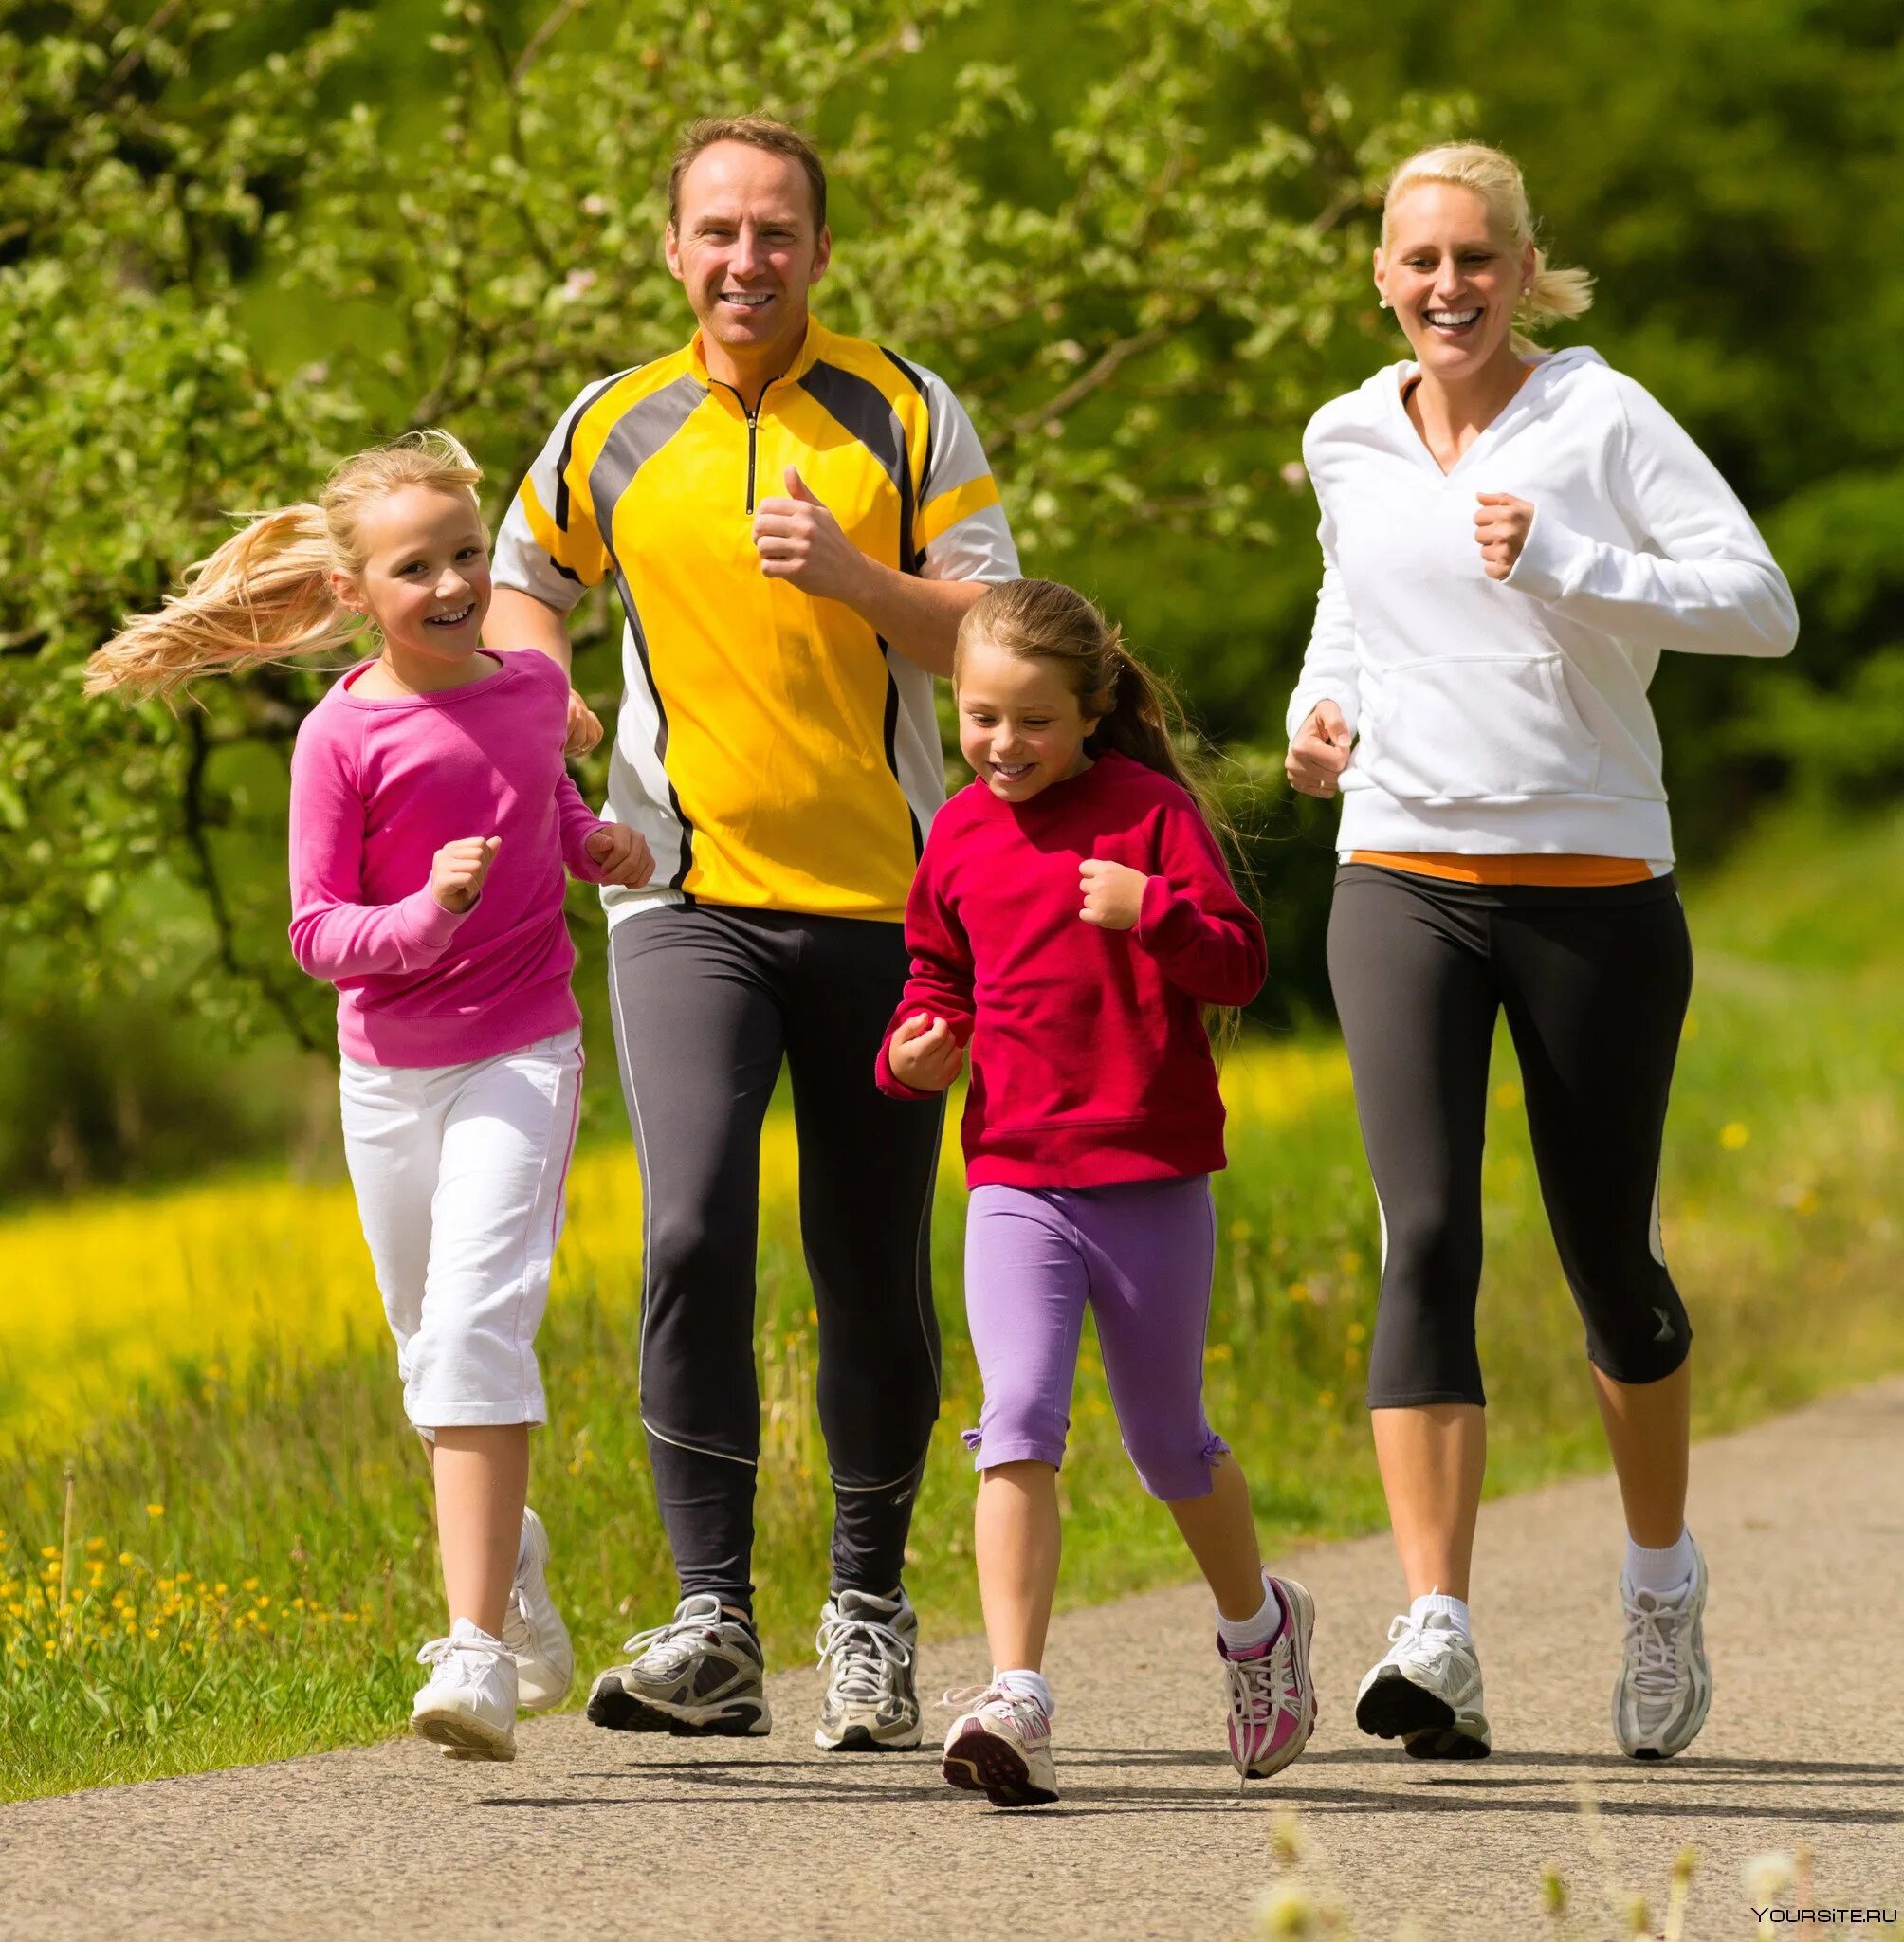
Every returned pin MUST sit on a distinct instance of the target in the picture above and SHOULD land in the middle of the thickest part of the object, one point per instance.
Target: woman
(1510, 541)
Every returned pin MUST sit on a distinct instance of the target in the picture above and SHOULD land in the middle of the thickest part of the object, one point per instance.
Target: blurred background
(240, 241)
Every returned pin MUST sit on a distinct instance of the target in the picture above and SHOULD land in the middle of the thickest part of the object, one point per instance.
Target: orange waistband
(1557, 873)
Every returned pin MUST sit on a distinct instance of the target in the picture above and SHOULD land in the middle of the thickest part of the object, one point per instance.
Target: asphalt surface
(595, 1834)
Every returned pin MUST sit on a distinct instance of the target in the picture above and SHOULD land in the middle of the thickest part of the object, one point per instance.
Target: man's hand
(923, 1054)
(1319, 751)
(456, 872)
(1501, 526)
(584, 728)
(621, 855)
(1112, 892)
(799, 539)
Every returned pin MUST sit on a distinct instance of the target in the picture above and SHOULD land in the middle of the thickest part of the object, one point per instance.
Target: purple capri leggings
(1140, 1257)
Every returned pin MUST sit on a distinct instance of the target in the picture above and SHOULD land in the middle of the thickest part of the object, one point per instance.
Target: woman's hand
(1112, 892)
(584, 728)
(923, 1054)
(1319, 751)
(456, 872)
(620, 853)
(1501, 526)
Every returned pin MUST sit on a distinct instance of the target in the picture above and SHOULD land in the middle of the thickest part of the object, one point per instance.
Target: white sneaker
(1001, 1748)
(1665, 1685)
(870, 1647)
(1427, 1692)
(469, 1705)
(533, 1628)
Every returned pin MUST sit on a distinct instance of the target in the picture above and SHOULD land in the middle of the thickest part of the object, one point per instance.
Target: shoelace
(861, 1650)
(671, 1644)
(1261, 1688)
(469, 1657)
(1653, 1645)
(1436, 1645)
(1027, 1715)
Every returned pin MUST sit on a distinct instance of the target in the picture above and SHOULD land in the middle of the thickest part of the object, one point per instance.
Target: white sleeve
(1332, 667)
(1704, 581)
(960, 529)
(548, 545)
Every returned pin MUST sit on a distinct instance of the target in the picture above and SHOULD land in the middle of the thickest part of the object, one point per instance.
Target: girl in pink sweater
(431, 820)
(1070, 920)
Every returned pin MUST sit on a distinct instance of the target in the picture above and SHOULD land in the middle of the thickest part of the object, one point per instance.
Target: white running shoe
(533, 1628)
(1001, 1747)
(870, 1647)
(468, 1706)
(1427, 1692)
(1665, 1685)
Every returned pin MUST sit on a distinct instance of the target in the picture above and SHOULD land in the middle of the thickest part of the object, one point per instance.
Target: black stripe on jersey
(561, 509)
(639, 636)
(862, 408)
(916, 378)
(891, 740)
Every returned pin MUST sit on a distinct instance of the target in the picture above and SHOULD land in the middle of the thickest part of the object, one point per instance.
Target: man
(796, 521)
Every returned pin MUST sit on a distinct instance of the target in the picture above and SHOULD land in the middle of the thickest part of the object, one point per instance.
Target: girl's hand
(621, 855)
(456, 872)
(923, 1054)
(1501, 526)
(584, 728)
(1319, 751)
(1112, 892)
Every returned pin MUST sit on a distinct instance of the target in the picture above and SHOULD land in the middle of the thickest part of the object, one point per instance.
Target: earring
(1383, 304)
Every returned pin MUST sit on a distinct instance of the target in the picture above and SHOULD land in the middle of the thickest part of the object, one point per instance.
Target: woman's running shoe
(1427, 1692)
(468, 1707)
(700, 1673)
(1271, 1693)
(1001, 1747)
(533, 1628)
(1665, 1685)
(870, 1647)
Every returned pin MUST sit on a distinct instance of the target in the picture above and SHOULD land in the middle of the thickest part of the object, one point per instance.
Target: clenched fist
(923, 1054)
(1319, 751)
(1112, 892)
(621, 855)
(583, 729)
(456, 872)
(799, 539)
(1501, 526)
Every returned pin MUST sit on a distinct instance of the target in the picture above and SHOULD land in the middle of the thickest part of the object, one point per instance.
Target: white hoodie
(1510, 717)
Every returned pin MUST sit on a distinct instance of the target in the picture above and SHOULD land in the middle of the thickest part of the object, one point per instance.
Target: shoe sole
(620, 1711)
(463, 1738)
(860, 1739)
(1395, 1708)
(1303, 1609)
(981, 1763)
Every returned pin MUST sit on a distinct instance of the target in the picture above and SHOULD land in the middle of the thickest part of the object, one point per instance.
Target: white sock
(1452, 1608)
(1243, 1635)
(1662, 1570)
(1025, 1684)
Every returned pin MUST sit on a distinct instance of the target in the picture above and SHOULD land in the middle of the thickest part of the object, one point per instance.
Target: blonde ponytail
(266, 594)
(1495, 177)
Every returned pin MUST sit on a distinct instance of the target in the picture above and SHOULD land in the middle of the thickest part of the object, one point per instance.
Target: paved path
(591, 1833)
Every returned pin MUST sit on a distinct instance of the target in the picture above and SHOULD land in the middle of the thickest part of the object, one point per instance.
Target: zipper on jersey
(753, 444)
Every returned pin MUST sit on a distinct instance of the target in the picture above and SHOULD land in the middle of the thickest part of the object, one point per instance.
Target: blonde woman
(431, 821)
(1511, 541)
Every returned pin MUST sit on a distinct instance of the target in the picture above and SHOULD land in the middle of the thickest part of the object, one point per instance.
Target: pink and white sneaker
(1271, 1692)
(1001, 1745)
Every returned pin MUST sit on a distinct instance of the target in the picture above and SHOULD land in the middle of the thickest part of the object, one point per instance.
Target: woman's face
(1450, 278)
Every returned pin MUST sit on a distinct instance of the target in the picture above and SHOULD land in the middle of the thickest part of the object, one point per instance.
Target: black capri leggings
(1595, 982)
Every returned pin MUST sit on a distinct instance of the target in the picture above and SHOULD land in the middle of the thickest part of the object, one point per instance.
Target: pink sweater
(378, 787)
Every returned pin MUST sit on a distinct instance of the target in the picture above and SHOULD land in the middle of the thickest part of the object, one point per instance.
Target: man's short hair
(754, 131)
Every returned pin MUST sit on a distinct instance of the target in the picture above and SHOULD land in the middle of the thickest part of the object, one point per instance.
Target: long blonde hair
(266, 594)
(1495, 177)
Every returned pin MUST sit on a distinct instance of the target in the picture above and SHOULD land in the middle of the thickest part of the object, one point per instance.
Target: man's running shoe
(533, 1628)
(1001, 1747)
(870, 1647)
(1427, 1692)
(1271, 1693)
(700, 1673)
(1665, 1683)
(468, 1706)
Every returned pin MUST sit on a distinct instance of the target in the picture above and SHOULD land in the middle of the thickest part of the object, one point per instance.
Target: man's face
(745, 247)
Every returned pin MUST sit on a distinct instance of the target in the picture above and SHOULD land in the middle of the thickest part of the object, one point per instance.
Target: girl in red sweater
(1070, 920)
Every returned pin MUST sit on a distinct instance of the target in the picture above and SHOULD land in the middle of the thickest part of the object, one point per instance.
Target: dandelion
(1356, 1331)
(1767, 1876)
(1734, 1135)
(1289, 1910)
(154, 1509)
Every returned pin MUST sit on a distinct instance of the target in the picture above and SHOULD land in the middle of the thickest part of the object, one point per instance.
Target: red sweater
(1089, 1064)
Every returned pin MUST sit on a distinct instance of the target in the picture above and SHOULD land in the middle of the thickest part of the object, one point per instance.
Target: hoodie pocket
(1466, 725)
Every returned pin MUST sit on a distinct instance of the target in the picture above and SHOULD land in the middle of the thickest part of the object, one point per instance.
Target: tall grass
(241, 1562)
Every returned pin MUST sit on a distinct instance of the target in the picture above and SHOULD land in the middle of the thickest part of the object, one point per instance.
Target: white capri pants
(459, 1172)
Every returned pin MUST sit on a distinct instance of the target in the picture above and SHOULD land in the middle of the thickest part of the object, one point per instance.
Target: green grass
(1780, 1221)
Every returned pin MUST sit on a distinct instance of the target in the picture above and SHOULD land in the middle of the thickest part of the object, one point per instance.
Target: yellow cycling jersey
(771, 747)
